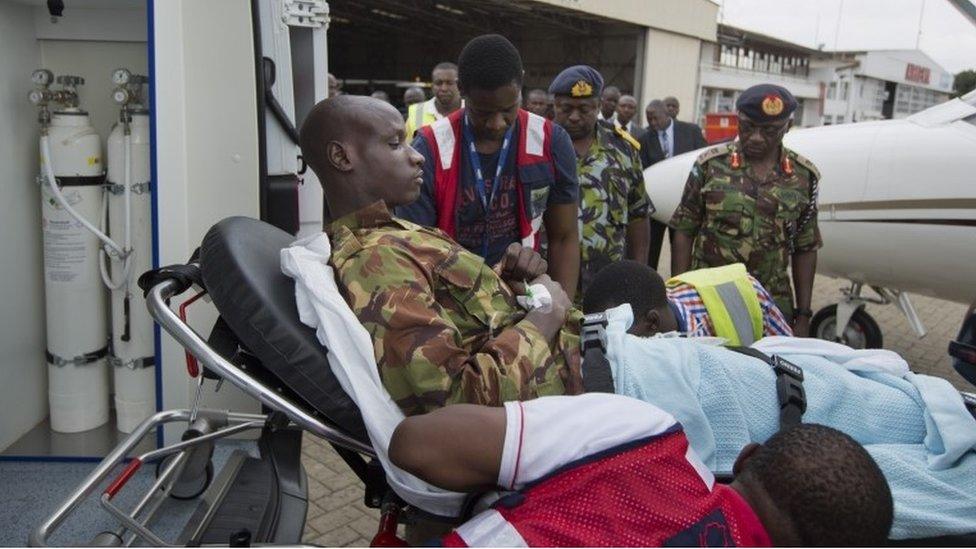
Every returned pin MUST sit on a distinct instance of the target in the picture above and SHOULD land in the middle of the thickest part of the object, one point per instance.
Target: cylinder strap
(137, 188)
(79, 360)
(75, 180)
(132, 364)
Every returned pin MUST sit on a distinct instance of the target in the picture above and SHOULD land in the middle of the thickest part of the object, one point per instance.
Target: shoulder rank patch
(627, 137)
(714, 152)
(805, 162)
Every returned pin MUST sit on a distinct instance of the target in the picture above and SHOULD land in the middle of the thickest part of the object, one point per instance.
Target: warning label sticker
(66, 250)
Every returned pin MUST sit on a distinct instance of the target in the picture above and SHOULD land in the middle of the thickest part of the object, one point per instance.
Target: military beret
(766, 103)
(580, 81)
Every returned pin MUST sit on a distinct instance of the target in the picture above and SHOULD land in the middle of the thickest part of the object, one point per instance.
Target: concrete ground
(337, 516)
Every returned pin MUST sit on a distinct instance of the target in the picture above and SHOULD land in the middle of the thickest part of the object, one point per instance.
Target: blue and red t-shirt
(488, 233)
(620, 474)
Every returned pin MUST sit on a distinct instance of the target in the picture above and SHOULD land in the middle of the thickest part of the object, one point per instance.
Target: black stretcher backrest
(241, 267)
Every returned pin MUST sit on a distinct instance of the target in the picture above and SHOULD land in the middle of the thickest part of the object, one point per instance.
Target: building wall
(22, 339)
(670, 68)
(696, 18)
(721, 85)
(892, 66)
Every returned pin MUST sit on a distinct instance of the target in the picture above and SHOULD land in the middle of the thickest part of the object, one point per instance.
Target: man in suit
(665, 137)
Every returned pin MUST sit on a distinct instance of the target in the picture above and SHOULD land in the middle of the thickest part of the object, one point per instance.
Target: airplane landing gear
(847, 322)
(861, 332)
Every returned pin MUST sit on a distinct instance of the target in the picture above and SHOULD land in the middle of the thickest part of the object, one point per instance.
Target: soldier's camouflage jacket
(736, 217)
(445, 327)
(612, 195)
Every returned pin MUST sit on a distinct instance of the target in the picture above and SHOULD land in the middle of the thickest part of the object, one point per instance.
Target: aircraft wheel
(185, 487)
(862, 332)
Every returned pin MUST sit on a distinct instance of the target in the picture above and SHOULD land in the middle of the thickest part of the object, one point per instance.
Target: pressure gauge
(120, 77)
(42, 77)
(36, 97)
(121, 96)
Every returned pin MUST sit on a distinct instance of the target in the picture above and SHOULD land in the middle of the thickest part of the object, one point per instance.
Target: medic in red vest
(496, 174)
(601, 470)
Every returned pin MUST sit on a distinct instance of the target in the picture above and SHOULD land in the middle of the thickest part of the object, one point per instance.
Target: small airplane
(897, 212)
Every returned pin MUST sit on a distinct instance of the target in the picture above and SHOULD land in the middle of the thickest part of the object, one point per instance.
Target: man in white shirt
(626, 119)
(608, 103)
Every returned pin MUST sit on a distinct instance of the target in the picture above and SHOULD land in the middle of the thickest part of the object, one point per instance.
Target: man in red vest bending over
(604, 470)
(495, 174)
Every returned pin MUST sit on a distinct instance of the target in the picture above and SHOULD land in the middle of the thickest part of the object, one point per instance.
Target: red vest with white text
(649, 493)
(535, 171)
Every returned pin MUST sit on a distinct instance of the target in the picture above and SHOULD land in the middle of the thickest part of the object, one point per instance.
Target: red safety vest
(535, 171)
(651, 493)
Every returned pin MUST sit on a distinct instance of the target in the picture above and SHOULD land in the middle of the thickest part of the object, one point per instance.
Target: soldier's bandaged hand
(536, 296)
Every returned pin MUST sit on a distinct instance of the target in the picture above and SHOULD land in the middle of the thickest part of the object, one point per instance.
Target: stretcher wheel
(188, 486)
(862, 331)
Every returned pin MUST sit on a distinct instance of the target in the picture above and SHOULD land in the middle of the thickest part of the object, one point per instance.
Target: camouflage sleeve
(808, 236)
(639, 205)
(422, 359)
(687, 216)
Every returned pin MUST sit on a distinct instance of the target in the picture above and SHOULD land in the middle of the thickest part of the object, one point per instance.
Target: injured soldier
(722, 301)
(630, 479)
(446, 327)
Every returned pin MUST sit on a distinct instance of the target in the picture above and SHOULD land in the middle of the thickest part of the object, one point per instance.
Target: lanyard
(479, 178)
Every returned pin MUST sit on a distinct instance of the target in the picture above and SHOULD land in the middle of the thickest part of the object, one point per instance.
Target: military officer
(614, 207)
(754, 201)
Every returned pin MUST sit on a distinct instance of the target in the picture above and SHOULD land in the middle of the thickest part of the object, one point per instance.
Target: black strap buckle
(789, 391)
(597, 376)
(789, 386)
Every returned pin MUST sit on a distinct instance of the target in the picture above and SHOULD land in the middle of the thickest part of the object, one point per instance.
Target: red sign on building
(916, 73)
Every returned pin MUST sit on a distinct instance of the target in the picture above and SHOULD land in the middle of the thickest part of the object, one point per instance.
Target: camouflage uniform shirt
(612, 195)
(736, 217)
(445, 327)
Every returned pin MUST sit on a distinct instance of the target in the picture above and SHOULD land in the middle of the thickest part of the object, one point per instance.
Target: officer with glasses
(754, 201)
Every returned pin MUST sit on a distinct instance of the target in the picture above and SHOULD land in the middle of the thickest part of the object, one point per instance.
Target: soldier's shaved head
(356, 147)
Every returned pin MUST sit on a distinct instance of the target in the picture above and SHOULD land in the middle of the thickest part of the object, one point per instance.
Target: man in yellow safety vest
(723, 301)
(447, 99)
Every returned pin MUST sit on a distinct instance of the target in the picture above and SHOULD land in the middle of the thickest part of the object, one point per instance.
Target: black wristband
(797, 313)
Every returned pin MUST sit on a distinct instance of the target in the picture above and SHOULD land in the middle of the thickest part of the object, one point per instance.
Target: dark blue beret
(580, 81)
(766, 103)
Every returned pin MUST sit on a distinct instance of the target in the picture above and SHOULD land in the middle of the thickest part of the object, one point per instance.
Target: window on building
(832, 91)
(844, 89)
(840, 118)
(828, 120)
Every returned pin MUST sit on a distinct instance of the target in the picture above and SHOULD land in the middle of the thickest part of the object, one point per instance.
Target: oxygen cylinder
(75, 298)
(132, 327)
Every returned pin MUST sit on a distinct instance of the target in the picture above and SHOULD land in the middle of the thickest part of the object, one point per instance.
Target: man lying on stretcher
(630, 479)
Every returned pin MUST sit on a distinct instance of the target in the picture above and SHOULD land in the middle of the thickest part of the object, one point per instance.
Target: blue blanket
(726, 399)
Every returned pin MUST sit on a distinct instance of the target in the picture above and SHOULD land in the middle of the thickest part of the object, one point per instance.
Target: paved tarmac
(337, 516)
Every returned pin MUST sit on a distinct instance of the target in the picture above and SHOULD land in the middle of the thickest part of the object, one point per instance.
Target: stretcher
(260, 346)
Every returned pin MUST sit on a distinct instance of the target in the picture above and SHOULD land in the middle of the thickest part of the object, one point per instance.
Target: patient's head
(813, 485)
(357, 148)
(635, 283)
